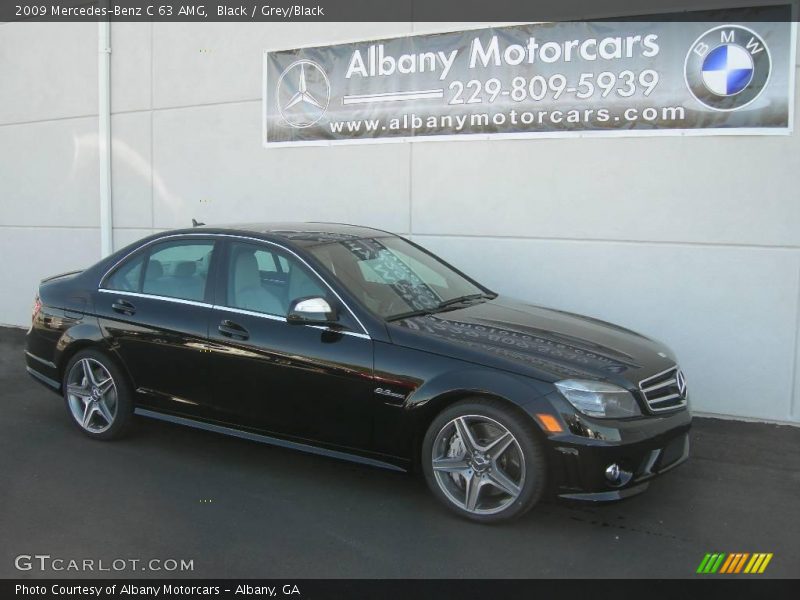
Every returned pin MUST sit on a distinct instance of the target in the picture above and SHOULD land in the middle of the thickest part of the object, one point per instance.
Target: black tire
(120, 391)
(531, 471)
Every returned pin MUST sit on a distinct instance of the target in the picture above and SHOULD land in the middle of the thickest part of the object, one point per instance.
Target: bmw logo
(727, 67)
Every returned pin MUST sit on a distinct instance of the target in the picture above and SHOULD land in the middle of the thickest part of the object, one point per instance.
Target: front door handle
(233, 330)
(124, 307)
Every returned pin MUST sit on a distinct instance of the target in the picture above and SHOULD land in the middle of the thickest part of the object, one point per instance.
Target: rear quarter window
(127, 277)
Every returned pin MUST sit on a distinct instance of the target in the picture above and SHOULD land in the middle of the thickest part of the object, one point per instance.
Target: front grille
(664, 391)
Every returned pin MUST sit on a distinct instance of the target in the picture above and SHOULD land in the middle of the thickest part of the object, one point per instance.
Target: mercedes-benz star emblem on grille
(727, 67)
(303, 93)
(681, 380)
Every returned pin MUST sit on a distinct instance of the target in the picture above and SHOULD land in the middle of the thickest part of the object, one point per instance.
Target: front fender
(433, 396)
(521, 391)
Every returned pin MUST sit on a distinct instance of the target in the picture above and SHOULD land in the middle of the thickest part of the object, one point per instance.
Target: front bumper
(641, 448)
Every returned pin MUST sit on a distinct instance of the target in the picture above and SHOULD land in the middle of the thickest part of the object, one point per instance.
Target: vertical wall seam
(411, 166)
(152, 142)
(795, 392)
(411, 189)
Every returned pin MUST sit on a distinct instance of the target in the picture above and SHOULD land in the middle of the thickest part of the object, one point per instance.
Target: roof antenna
(196, 224)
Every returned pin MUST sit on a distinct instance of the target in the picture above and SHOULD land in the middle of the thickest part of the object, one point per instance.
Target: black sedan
(359, 344)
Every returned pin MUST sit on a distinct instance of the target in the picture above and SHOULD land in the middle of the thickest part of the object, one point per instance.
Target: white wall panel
(209, 164)
(124, 236)
(131, 175)
(699, 189)
(38, 253)
(131, 64)
(204, 63)
(49, 173)
(728, 313)
(48, 71)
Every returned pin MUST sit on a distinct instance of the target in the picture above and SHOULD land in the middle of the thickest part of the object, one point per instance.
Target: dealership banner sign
(549, 79)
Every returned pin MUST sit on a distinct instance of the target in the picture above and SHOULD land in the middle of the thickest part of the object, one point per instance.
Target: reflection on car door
(154, 310)
(297, 381)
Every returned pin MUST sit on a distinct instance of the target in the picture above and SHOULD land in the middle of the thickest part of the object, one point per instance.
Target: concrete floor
(242, 509)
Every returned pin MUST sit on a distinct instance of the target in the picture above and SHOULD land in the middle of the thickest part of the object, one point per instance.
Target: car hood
(540, 342)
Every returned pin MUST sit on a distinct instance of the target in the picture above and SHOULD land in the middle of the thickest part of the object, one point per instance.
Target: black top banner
(373, 10)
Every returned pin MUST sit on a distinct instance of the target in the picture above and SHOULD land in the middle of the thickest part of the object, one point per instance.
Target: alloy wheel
(92, 395)
(478, 464)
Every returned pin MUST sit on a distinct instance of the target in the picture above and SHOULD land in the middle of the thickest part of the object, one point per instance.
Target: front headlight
(599, 399)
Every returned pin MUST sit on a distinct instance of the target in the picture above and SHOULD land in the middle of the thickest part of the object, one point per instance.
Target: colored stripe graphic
(703, 563)
(711, 563)
(751, 564)
(741, 562)
(765, 563)
(717, 564)
(728, 564)
(734, 563)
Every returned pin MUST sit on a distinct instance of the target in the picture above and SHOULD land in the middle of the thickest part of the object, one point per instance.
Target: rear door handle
(233, 330)
(124, 307)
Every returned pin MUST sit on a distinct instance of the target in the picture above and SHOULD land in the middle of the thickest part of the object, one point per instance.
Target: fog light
(616, 475)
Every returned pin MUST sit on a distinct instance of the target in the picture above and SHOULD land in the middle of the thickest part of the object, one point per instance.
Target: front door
(304, 382)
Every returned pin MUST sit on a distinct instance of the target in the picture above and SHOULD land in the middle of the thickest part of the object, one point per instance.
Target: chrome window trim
(355, 334)
(242, 311)
(253, 313)
(240, 237)
(155, 297)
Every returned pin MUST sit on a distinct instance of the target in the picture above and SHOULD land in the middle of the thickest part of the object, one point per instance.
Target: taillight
(37, 307)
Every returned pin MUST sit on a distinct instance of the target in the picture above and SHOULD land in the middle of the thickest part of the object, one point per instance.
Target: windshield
(393, 278)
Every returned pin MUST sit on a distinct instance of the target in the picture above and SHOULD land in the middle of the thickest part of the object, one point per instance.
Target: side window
(265, 280)
(178, 269)
(127, 277)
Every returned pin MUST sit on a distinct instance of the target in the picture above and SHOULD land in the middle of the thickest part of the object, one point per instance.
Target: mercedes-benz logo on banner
(303, 93)
(727, 67)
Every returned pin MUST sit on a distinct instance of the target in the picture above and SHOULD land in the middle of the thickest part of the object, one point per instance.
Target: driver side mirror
(314, 310)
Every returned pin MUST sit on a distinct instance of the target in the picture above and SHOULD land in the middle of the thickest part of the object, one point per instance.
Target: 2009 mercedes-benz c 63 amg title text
(358, 344)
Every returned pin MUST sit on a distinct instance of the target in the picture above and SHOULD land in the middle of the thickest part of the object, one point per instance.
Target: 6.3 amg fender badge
(390, 393)
(727, 67)
(302, 93)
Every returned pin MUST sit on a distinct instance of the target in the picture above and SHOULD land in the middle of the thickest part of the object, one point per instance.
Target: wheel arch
(85, 336)
(438, 395)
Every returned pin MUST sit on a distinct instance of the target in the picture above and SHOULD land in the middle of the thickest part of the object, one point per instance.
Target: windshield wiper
(461, 299)
(412, 313)
(442, 305)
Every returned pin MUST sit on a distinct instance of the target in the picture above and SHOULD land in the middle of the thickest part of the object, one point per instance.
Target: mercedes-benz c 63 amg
(359, 344)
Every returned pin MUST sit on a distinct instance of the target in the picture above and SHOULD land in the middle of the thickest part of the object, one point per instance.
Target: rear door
(154, 310)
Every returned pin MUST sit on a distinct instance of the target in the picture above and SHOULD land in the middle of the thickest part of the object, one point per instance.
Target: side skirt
(267, 439)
